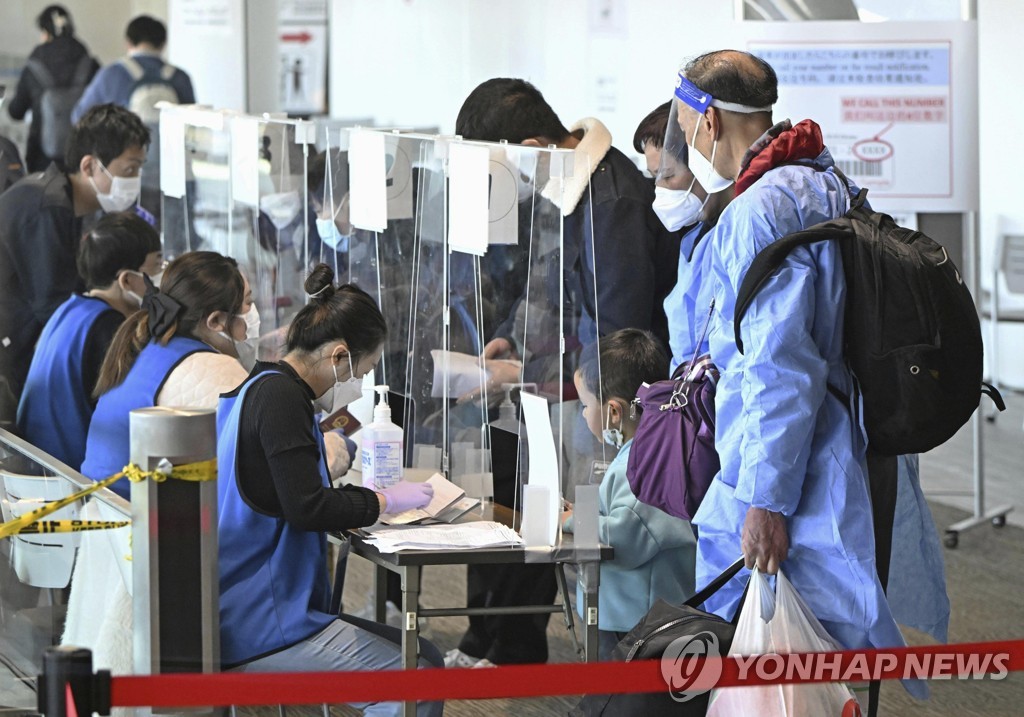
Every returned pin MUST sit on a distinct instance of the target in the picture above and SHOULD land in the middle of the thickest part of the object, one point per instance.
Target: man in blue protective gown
(793, 490)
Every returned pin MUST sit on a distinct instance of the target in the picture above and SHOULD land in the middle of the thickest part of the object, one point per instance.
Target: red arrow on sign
(302, 37)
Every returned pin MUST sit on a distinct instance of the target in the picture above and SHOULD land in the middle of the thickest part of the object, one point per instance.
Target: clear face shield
(683, 167)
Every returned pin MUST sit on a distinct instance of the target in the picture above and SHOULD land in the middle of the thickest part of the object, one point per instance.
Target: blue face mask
(330, 235)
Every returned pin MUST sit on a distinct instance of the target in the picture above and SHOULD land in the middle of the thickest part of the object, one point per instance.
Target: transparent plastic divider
(35, 570)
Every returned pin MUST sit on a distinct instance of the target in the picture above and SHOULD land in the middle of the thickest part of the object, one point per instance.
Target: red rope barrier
(518, 681)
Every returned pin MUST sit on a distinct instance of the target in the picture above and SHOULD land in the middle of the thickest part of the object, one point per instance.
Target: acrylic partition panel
(202, 216)
(36, 570)
(386, 262)
(494, 317)
(276, 197)
(549, 314)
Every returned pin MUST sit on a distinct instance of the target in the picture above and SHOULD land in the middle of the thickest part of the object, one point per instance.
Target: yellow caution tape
(195, 472)
(45, 527)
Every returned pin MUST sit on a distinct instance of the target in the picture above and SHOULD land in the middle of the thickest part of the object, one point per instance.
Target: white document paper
(543, 458)
(172, 154)
(468, 182)
(368, 191)
(245, 160)
(479, 534)
(464, 372)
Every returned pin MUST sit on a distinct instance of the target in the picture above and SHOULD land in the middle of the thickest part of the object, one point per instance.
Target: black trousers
(882, 484)
(509, 639)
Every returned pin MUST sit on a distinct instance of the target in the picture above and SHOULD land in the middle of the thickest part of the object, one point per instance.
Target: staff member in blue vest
(185, 336)
(275, 500)
(57, 403)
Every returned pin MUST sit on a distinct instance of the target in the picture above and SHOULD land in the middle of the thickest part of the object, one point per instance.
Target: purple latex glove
(403, 496)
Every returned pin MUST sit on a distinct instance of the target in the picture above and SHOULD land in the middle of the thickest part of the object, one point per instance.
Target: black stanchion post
(67, 667)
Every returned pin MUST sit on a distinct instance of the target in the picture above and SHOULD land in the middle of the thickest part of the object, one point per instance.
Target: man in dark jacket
(67, 62)
(41, 224)
(618, 271)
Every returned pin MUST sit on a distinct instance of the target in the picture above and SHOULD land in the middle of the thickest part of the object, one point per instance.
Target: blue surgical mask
(611, 436)
(331, 235)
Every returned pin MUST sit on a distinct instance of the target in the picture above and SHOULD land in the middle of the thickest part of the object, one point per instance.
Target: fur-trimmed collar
(597, 140)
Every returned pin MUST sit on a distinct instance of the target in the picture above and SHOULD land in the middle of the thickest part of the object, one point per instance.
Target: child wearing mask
(654, 552)
(57, 403)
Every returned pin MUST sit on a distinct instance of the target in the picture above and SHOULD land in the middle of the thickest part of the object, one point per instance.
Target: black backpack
(912, 332)
(56, 104)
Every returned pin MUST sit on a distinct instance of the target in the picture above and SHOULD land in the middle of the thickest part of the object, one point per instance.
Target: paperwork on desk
(465, 372)
(448, 503)
(479, 534)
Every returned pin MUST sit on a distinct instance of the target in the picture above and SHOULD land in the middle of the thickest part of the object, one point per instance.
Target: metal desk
(408, 564)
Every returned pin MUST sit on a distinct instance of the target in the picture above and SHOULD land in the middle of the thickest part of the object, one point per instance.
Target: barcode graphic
(856, 166)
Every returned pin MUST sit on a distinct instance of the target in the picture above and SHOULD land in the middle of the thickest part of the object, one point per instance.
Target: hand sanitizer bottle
(382, 446)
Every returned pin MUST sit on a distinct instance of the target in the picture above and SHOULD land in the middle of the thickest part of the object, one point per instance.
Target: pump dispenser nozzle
(382, 409)
(507, 409)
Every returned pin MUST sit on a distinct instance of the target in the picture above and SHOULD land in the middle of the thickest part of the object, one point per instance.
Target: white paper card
(398, 176)
(245, 160)
(503, 202)
(426, 456)
(585, 516)
(536, 523)
(368, 192)
(172, 154)
(543, 458)
(477, 485)
(468, 180)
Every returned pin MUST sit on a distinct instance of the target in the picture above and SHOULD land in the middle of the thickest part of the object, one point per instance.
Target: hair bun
(320, 283)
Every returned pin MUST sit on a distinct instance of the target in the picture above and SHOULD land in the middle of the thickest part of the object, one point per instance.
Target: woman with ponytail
(179, 350)
(276, 502)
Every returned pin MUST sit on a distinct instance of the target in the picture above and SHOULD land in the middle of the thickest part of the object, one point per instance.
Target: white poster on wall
(896, 102)
(206, 38)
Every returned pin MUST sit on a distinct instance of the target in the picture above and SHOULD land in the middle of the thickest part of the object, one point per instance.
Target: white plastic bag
(780, 623)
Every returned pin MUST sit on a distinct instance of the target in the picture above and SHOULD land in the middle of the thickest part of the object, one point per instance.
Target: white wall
(1001, 55)
(98, 23)
(414, 62)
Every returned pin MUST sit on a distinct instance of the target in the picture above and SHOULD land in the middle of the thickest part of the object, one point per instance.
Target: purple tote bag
(673, 458)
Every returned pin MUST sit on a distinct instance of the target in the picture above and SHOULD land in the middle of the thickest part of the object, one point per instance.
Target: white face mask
(677, 208)
(341, 393)
(281, 208)
(703, 169)
(611, 436)
(248, 348)
(124, 192)
(132, 297)
(331, 235)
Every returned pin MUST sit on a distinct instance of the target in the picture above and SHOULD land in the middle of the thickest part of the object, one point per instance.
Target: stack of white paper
(448, 503)
(479, 534)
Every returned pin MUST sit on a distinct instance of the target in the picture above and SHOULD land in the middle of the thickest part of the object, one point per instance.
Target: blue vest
(274, 590)
(55, 406)
(107, 450)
